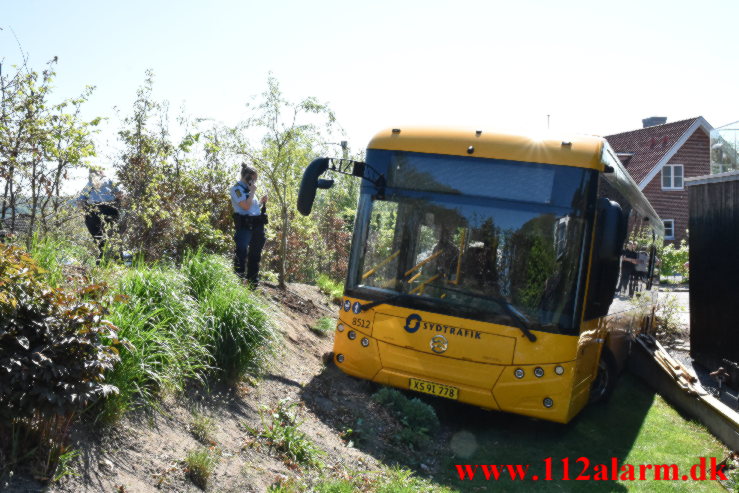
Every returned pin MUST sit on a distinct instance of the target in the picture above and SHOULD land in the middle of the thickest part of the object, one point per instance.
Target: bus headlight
(548, 402)
(519, 373)
(559, 370)
(340, 358)
(365, 342)
(340, 328)
(539, 372)
(352, 335)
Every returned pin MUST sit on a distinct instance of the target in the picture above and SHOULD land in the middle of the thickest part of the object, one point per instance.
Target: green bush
(200, 465)
(166, 290)
(54, 352)
(206, 273)
(177, 190)
(667, 320)
(673, 260)
(334, 289)
(324, 326)
(419, 420)
(182, 325)
(281, 430)
(240, 332)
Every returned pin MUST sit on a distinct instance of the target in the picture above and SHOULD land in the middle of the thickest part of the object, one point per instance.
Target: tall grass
(324, 326)
(53, 253)
(166, 340)
(206, 273)
(182, 325)
(240, 334)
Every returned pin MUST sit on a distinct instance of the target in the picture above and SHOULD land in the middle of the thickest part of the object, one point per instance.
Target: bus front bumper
(541, 391)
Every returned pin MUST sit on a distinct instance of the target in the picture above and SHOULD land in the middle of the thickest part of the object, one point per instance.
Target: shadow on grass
(472, 436)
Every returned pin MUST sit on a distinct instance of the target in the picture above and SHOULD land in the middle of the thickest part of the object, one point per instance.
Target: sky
(587, 67)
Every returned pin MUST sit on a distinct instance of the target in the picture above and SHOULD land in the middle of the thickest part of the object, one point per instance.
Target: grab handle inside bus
(311, 182)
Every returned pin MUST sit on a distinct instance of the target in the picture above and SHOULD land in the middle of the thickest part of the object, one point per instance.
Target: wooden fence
(714, 271)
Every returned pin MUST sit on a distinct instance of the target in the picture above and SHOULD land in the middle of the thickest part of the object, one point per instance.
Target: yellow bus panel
(394, 345)
(574, 150)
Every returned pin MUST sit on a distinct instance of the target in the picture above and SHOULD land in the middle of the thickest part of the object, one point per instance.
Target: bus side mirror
(609, 238)
(311, 182)
(611, 231)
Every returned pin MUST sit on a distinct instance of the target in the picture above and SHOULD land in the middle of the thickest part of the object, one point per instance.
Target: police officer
(249, 220)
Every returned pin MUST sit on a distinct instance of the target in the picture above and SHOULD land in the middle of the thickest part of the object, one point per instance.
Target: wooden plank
(722, 421)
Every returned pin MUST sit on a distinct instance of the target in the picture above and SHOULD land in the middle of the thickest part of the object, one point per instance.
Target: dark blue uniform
(249, 235)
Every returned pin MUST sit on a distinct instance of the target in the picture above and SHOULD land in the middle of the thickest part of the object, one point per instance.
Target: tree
(67, 145)
(292, 134)
(40, 143)
(142, 167)
(176, 190)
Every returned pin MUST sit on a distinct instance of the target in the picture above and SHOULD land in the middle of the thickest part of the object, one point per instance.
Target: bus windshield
(451, 249)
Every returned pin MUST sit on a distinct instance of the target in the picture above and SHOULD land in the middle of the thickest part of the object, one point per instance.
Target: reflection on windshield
(476, 257)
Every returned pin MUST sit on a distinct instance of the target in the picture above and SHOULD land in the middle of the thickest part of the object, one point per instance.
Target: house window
(669, 229)
(672, 177)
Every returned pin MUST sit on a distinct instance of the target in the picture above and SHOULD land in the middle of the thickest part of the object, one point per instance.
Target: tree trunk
(283, 246)
(6, 193)
(54, 197)
(34, 202)
(12, 206)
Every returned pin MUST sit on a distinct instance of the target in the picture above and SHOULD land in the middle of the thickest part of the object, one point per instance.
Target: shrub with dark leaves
(55, 348)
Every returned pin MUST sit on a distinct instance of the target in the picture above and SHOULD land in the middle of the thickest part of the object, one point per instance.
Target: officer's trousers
(249, 244)
(99, 219)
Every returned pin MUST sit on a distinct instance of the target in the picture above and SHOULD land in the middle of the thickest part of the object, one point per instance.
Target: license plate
(432, 388)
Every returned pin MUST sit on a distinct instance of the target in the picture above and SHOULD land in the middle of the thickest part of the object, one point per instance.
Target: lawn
(637, 427)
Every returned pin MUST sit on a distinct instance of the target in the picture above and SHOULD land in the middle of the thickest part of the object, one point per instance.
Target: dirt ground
(146, 450)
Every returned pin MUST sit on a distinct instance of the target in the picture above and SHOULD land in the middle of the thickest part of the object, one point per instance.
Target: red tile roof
(647, 146)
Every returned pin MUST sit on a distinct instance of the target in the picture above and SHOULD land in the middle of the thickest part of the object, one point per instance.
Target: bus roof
(621, 180)
(580, 151)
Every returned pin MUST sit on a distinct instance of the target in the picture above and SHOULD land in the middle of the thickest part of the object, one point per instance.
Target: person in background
(249, 219)
(642, 265)
(99, 201)
(628, 267)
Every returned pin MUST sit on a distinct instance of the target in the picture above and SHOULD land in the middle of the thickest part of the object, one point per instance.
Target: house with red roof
(659, 157)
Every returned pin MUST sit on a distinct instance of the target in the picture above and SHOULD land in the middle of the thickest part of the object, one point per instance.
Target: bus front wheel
(605, 379)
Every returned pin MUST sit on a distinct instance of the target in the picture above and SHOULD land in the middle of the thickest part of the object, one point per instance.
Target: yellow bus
(485, 267)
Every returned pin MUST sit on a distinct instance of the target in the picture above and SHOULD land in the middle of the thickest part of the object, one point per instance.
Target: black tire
(605, 379)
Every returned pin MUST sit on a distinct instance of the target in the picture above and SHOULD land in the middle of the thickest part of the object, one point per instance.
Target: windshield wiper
(511, 311)
(523, 321)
